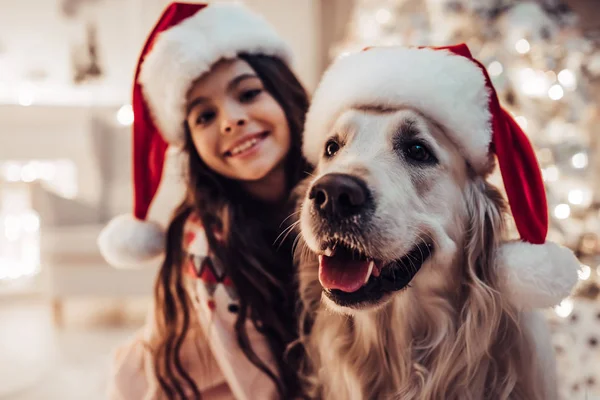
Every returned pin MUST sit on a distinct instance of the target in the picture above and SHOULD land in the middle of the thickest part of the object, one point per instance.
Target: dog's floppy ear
(486, 208)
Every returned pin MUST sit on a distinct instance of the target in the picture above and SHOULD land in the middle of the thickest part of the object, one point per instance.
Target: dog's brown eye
(331, 148)
(418, 152)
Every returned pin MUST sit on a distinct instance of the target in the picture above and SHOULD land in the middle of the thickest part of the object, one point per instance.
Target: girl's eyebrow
(236, 81)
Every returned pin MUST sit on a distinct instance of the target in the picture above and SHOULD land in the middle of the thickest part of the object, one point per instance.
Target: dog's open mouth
(350, 277)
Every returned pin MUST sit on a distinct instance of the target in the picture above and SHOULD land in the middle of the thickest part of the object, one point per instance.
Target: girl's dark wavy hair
(261, 270)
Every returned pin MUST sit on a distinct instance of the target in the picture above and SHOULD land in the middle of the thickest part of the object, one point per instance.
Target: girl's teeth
(244, 146)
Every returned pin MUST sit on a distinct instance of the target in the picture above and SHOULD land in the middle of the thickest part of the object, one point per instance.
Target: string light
(495, 68)
(522, 46)
(581, 197)
(125, 115)
(550, 174)
(533, 83)
(383, 16)
(564, 308)
(562, 211)
(556, 92)
(567, 79)
(584, 272)
(576, 196)
(579, 160)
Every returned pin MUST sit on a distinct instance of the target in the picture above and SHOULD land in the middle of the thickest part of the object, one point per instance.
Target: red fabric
(520, 171)
(227, 281)
(188, 238)
(212, 305)
(190, 268)
(207, 273)
(522, 180)
(518, 165)
(149, 147)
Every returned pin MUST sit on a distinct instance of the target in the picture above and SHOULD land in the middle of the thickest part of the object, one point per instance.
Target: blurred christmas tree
(546, 70)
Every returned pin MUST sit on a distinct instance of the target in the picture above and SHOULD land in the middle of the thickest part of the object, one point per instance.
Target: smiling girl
(215, 81)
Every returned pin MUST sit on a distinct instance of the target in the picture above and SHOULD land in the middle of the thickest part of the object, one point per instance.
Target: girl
(214, 80)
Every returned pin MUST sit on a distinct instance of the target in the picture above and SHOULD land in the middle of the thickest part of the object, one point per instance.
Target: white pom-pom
(127, 242)
(537, 276)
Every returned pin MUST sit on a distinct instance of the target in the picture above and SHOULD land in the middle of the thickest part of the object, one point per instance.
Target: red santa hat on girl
(186, 42)
(454, 89)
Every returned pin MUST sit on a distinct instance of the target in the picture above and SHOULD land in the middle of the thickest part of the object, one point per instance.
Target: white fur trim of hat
(422, 78)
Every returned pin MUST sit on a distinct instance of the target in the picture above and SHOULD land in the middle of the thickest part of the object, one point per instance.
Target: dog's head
(385, 200)
(394, 151)
(402, 140)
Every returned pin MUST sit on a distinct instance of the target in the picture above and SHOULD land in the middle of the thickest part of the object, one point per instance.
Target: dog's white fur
(452, 334)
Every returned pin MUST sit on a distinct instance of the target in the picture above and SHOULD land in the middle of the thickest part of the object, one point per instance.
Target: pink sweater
(210, 354)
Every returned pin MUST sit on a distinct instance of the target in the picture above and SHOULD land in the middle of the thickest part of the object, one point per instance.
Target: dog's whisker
(295, 243)
(419, 247)
(413, 268)
(285, 232)
(290, 216)
(428, 236)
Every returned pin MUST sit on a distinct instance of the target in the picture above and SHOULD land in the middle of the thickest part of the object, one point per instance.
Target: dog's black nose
(339, 195)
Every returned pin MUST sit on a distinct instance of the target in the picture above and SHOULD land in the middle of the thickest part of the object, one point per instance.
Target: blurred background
(66, 69)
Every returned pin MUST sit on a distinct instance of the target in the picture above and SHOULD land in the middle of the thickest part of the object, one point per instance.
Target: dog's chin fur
(450, 335)
(353, 311)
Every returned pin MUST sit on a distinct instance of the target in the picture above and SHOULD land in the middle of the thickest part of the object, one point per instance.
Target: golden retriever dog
(401, 240)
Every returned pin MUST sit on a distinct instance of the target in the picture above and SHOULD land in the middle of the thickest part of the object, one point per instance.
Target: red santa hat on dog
(186, 42)
(453, 88)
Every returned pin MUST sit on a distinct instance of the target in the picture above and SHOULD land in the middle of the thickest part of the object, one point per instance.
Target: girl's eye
(249, 95)
(205, 117)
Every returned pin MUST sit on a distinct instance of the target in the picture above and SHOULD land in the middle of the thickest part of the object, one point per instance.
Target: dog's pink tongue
(343, 274)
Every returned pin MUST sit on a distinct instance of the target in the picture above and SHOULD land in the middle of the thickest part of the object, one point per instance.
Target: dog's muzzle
(340, 196)
(350, 272)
